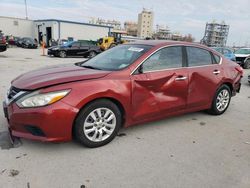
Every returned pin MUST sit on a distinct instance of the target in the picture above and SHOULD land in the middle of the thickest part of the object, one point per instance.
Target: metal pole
(26, 10)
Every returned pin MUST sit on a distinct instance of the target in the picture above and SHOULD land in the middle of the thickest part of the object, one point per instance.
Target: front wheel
(221, 100)
(98, 123)
(62, 54)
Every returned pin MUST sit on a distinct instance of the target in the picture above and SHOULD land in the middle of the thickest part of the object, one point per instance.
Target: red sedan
(130, 84)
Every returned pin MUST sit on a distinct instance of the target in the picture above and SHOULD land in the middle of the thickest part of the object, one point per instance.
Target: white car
(243, 57)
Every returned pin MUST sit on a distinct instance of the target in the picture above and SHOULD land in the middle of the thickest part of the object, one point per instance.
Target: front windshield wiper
(91, 67)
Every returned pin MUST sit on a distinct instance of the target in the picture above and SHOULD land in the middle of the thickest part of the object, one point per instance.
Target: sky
(184, 16)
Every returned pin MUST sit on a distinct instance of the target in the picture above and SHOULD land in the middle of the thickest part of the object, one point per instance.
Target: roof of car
(164, 43)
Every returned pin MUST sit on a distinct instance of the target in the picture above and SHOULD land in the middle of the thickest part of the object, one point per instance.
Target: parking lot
(192, 150)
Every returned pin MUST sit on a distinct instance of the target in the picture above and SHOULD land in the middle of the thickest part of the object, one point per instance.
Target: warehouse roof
(72, 22)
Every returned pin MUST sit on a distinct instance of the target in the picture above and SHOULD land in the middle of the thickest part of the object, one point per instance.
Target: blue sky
(184, 16)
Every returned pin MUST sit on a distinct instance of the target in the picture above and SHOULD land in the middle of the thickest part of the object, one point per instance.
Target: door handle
(216, 72)
(180, 78)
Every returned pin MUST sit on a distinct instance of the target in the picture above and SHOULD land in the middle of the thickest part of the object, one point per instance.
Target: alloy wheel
(99, 124)
(222, 100)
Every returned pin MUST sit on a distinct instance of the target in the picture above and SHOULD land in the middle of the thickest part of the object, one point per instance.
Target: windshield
(242, 51)
(117, 58)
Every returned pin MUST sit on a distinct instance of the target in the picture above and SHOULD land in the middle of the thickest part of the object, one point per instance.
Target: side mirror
(70, 46)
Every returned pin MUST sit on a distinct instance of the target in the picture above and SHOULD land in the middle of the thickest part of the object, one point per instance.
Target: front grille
(12, 92)
(240, 59)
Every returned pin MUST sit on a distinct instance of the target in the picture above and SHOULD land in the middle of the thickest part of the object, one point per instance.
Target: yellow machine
(114, 38)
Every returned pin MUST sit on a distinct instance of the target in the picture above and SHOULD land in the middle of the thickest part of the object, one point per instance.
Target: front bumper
(51, 123)
(53, 52)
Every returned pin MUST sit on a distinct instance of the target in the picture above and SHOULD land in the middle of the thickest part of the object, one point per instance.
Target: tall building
(145, 24)
(215, 34)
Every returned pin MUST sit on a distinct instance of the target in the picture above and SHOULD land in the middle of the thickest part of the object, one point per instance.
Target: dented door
(162, 91)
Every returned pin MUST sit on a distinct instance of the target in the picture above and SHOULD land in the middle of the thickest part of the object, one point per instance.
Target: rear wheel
(247, 64)
(62, 54)
(221, 100)
(98, 123)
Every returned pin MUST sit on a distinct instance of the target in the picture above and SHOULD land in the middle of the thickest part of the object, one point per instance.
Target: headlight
(36, 99)
(55, 48)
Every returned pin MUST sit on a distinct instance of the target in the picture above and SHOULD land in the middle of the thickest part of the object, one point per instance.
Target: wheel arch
(113, 100)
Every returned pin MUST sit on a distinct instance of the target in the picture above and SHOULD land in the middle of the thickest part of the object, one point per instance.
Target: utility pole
(26, 10)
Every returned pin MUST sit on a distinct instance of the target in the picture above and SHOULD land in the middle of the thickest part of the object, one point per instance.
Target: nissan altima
(129, 84)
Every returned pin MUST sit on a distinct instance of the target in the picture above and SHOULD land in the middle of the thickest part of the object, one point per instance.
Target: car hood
(55, 75)
(242, 55)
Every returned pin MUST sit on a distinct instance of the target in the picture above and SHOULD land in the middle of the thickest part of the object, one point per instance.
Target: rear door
(204, 72)
(74, 49)
(84, 48)
(160, 84)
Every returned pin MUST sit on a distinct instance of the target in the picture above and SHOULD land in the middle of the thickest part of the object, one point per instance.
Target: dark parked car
(75, 48)
(19, 42)
(227, 52)
(27, 42)
(3, 44)
(129, 84)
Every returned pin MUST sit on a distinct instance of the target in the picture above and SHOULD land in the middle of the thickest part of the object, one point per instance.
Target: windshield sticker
(135, 49)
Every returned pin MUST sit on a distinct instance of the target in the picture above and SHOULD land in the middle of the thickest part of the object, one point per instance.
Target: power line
(26, 10)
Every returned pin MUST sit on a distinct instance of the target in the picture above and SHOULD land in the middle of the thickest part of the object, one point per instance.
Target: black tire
(112, 45)
(247, 64)
(92, 54)
(214, 110)
(79, 125)
(62, 54)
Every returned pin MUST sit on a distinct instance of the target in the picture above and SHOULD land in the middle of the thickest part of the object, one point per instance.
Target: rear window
(198, 57)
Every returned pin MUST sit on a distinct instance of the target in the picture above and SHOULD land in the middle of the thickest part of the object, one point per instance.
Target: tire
(221, 100)
(92, 54)
(92, 131)
(62, 54)
(247, 64)
(112, 45)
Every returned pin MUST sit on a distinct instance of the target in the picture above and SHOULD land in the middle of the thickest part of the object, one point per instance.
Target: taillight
(239, 69)
(4, 39)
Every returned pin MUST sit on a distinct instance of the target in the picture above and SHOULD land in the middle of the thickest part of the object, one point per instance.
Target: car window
(84, 44)
(76, 44)
(198, 57)
(242, 51)
(217, 58)
(170, 57)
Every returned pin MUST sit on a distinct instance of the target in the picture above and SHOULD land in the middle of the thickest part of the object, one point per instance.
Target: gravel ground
(192, 150)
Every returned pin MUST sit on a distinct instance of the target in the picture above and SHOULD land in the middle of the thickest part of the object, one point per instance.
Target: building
(17, 27)
(46, 30)
(215, 34)
(112, 23)
(131, 28)
(162, 33)
(145, 24)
